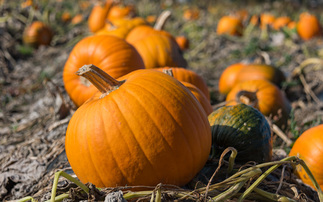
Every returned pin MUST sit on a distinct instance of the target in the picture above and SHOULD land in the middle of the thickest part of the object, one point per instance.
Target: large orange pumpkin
(228, 77)
(112, 54)
(308, 26)
(231, 25)
(145, 130)
(264, 96)
(38, 33)
(189, 76)
(309, 148)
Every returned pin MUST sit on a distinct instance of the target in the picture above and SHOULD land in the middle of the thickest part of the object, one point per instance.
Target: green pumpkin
(244, 128)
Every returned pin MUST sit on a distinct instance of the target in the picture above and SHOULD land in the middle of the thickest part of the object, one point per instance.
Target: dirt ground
(35, 108)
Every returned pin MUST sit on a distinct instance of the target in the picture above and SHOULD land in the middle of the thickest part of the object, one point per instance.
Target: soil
(35, 108)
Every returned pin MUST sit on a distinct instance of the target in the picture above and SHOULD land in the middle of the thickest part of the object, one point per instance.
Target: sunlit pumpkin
(118, 11)
(266, 19)
(145, 130)
(308, 147)
(254, 20)
(228, 77)
(77, 19)
(98, 15)
(308, 26)
(112, 54)
(38, 33)
(66, 17)
(231, 25)
(264, 96)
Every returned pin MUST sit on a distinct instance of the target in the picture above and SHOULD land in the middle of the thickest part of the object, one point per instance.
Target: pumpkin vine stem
(248, 98)
(100, 79)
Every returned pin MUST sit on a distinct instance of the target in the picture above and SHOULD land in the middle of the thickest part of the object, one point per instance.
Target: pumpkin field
(172, 100)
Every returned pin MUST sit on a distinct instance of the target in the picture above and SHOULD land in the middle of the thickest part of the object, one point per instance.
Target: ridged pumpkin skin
(264, 96)
(112, 54)
(308, 26)
(244, 128)
(231, 25)
(149, 130)
(309, 148)
(228, 77)
(199, 95)
(37, 34)
(261, 71)
(159, 50)
(189, 76)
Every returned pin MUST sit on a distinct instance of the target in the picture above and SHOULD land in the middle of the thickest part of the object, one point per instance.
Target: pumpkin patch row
(307, 26)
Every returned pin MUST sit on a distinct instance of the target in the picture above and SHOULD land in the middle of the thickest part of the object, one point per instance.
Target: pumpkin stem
(100, 79)
(169, 72)
(248, 98)
(161, 20)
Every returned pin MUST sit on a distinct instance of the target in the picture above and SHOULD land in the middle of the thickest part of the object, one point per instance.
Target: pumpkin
(281, 22)
(264, 96)
(98, 15)
(77, 19)
(182, 42)
(254, 20)
(38, 33)
(231, 25)
(308, 26)
(292, 25)
(159, 50)
(308, 147)
(198, 94)
(191, 14)
(118, 11)
(121, 27)
(189, 76)
(244, 128)
(228, 77)
(66, 17)
(242, 14)
(142, 31)
(260, 71)
(112, 54)
(266, 19)
(145, 130)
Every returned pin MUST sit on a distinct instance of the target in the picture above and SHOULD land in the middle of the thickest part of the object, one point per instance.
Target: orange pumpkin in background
(308, 26)
(228, 77)
(231, 25)
(114, 55)
(38, 33)
(308, 147)
(145, 130)
(98, 15)
(266, 19)
(281, 22)
(118, 11)
(264, 96)
(182, 42)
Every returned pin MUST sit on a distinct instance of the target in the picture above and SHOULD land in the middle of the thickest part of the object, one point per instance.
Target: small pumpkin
(281, 22)
(231, 25)
(145, 130)
(191, 14)
(182, 42)
(264, 96)
(66, 17)
(228, 77)
(308, 147)
(244, 128)
(38, 33)
(118, 11)
(254, 20)
(77, 19)
(189, 76)
(112, 54)
(308, 26)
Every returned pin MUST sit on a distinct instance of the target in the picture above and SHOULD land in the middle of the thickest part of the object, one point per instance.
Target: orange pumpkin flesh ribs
(189, 76)
(264, 96)
(308, 147)
(112, 54)
(145, 130)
